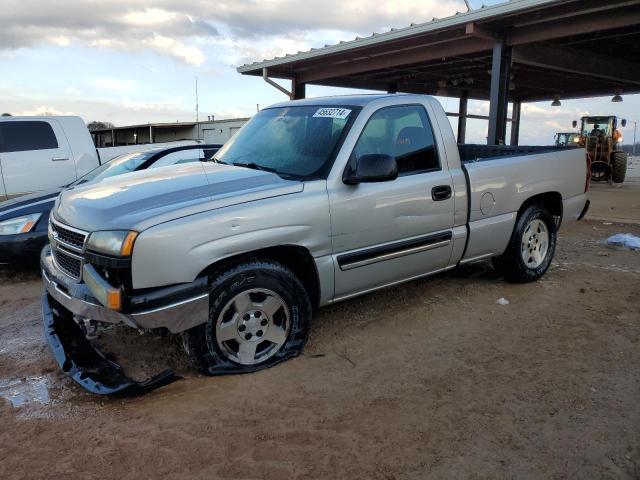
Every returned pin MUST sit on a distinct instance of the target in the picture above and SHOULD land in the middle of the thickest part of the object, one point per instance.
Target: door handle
(59, 159)
(440, 193)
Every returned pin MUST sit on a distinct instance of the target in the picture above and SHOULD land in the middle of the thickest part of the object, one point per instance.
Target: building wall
(161, 135)
(220, 131)
(216, 131)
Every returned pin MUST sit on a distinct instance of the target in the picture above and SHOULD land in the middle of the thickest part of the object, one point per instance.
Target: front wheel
(259, 315)
(530, 248)
(619, 166)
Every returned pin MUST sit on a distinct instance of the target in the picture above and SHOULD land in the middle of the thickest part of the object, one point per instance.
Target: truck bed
(500, 179)
(477, 153)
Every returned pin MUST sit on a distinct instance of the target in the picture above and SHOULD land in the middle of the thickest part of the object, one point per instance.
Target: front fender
(177, 251)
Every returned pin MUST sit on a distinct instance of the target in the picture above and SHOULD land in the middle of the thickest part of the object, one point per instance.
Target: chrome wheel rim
(253, 326)
(535, 243)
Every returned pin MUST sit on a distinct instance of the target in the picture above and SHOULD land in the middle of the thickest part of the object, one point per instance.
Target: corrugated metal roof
(357, 100)
(171, 124)
(459, 19)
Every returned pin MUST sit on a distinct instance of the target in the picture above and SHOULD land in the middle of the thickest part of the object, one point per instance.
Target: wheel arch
(294, 257)
(551, 201)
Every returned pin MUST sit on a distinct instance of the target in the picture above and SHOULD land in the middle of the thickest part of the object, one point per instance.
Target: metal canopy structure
(518, 51)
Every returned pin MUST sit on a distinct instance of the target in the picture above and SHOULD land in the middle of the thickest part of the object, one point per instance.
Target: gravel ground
(431, 378)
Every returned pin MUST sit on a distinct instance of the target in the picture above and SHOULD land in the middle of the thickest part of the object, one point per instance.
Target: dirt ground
(620, 203)
(428, 379)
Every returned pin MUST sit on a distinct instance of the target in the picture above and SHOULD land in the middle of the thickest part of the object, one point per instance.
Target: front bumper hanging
(84, 363)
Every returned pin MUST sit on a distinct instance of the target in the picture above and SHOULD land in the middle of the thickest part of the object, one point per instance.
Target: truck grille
(70, 237)
(68, 264)
(67, 245)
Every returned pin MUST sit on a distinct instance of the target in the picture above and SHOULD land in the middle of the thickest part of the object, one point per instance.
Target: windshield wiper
(255, 166)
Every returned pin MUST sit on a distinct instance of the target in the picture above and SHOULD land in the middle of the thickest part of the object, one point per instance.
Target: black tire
(511, 264)
(619, 166)
(201, 344)
(600, 172)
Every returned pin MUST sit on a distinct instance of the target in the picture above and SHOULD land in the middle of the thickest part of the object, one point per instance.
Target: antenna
(466, 2)
(197, 115)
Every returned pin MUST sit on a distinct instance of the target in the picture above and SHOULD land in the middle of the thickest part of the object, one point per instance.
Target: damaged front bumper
(176, 308)
(66, 303)
(83, 362)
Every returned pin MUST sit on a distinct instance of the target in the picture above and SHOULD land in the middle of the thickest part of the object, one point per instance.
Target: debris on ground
(624, 240)
(502, 301)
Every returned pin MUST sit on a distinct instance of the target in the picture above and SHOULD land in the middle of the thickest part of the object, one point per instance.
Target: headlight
(117, 243)
(17, 225)
(617, 135)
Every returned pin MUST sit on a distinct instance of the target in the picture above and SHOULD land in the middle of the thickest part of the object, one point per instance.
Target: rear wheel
(259, 315)
(600, 172)
(619, 166)
(530, 248)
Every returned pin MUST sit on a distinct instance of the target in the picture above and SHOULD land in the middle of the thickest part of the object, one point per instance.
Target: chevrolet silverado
(313, 202)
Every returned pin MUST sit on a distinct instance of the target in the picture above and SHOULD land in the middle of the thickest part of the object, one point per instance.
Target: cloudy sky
(135, 61)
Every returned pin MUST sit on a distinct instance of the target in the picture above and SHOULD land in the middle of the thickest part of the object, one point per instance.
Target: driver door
(391, 231)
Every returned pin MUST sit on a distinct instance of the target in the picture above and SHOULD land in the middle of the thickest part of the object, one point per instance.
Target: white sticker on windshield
(339, 113)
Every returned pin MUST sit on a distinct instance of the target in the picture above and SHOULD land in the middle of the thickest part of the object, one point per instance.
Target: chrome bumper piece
(78, 299)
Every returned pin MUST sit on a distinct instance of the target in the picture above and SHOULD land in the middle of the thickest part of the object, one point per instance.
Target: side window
(181, 156)
(403, 132)
(25, 136)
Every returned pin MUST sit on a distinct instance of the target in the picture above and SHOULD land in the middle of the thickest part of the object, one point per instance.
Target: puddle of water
(25, 391)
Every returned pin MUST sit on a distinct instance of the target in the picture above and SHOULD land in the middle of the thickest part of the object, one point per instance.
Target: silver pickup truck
(312, 202)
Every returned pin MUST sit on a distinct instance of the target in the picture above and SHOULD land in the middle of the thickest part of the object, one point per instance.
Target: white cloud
(540, 122)
(156, 107)
(60, 40)
(255, 17)
(539, 110)
(149, 17)
(42, 110)
(178, 28)
(109, 43)
(167, 45)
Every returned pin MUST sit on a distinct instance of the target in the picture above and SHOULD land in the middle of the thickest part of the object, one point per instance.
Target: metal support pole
(462, 116)
(150, 134)
(499, 94)
(515, 123)
(265, 77)
(298, 90)
(635, 124)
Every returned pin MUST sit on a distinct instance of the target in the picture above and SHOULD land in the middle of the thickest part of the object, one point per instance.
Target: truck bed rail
(477, 152)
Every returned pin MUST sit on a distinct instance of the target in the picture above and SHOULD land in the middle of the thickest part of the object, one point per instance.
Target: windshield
(597, 126)
(293, 142)
(121, 164)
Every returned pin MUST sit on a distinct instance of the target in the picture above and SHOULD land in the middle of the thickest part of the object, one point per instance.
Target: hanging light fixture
(442, 88)
(617, 97)
(556, 101)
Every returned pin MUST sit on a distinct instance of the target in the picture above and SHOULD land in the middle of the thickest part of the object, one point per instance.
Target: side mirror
(574, 123)
(373, 167)
(623, 122)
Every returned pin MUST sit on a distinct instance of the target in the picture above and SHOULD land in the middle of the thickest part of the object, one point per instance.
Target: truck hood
(139, 200)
